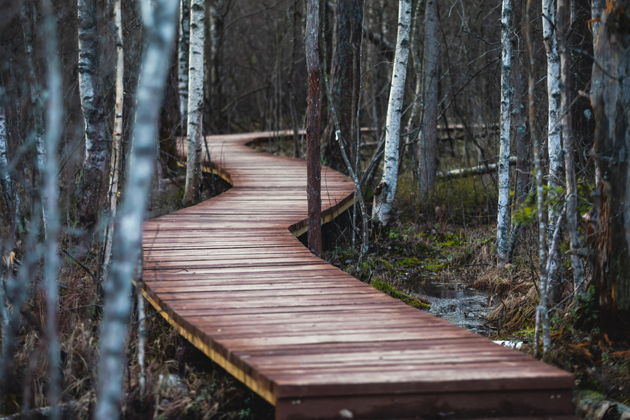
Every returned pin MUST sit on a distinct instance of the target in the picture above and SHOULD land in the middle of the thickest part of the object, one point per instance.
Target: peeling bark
(554, 113)
(610, 98)
(386, 190)
(183, 47)
(97, 138)
(196, 76)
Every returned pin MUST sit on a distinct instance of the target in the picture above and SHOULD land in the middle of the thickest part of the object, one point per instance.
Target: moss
(395, 293)
(409, 262)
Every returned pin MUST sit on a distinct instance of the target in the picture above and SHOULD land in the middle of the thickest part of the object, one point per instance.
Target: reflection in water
(454, 302)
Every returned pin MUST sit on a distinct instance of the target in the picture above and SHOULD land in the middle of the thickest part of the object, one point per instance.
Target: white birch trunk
(183, 47)
(195, 100)
(28, 19)
(96, 137)
(503, 213)
(426, 153)
(116, 153)
(50, 187)
(568, 140)
(160, 29)
(554, 117)
(386, 191)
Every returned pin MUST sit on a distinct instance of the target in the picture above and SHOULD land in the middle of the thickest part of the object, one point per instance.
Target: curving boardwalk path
(232, 278)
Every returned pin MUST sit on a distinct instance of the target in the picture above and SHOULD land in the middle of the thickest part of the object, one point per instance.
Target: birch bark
(50, 188)
(503, 214)
(195, 100)
(427, 150)
(554, 117)
(29, 20)
(313, 129)
(183, 47)
(386, 190)
(116, 152)
(160, 29)
(97, 139)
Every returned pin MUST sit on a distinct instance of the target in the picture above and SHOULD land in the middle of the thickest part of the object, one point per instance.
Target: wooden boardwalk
(231, 277)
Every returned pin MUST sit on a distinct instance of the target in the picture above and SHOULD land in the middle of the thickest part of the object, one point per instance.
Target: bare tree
(610, 98)
(160, 28)
(503, 213)
(97, 138)
(117, 138)
(50, 189)
(313, 121)
(427, 150)
(345, 74)
(568, 141)
(554, 117)
(196, 77)
(9, 193)
(386, 190)
(183, 47)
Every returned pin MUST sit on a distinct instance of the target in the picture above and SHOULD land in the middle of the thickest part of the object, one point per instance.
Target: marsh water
(455, 302)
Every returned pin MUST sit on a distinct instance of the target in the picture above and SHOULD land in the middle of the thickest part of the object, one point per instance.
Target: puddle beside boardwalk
(458, 304)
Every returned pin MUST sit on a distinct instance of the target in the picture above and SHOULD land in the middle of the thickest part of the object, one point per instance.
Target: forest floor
(439, 259)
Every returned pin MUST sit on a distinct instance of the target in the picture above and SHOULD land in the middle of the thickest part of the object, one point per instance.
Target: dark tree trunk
(610, 98)
(313, 120)
(345, 71)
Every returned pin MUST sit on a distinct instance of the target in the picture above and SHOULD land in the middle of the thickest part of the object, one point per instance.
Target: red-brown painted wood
(309, 338)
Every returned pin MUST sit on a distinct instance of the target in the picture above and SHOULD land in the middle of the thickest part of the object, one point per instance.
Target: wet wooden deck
(231, 277)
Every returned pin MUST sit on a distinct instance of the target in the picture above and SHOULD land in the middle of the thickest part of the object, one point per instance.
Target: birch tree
(28, 18)
(313, 129)
(386, 190)
(503, 215)
(183, 47)
(160, 28)
(610, 98)
(97, 138)
(554, 117)
(194, 128)
(427, 150)
(117, 137)
(50, 188)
